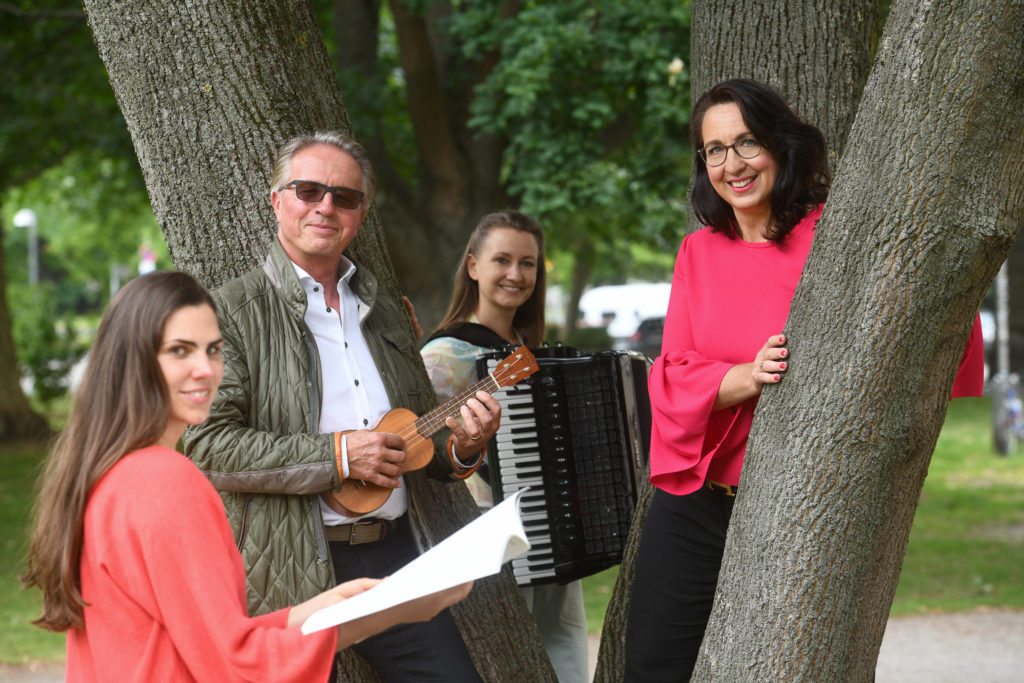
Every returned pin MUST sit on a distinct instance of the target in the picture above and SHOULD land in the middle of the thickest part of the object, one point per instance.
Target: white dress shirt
(353, 395)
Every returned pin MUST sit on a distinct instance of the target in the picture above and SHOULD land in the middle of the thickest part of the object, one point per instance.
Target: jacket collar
(278, 268)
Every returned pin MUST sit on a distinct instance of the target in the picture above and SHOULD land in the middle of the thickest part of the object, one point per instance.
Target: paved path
(980, 647)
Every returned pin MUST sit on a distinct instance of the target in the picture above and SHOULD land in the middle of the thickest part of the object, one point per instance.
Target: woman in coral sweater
(132, 549)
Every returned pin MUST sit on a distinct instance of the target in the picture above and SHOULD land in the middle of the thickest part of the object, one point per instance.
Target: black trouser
(677, 568)
(427, 651)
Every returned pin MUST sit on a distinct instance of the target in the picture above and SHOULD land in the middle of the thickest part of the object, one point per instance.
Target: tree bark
(17, 419)
(926, 205)
(611, 656)
(816, 53)
(209, 92)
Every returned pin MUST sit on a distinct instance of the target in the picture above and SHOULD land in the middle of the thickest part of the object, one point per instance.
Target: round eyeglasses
(715, 154)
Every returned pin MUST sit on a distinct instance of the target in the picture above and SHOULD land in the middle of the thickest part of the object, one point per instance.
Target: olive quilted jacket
(260, 445)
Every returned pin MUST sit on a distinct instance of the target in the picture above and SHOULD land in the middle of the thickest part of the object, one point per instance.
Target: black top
(474, 333)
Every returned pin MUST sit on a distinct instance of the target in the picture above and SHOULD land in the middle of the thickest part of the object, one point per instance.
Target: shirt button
(357, 383)
(328, 309)
(366, 422)
(316, 289)
(346, 345)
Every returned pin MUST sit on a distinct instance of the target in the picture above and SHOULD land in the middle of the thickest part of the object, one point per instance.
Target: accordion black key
(577, 433)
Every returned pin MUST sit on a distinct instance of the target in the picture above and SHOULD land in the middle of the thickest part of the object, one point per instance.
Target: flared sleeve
(683, 385)
(970, 376)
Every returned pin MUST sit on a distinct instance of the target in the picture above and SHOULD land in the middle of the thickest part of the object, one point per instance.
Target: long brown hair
(121, 406)
(466, 291)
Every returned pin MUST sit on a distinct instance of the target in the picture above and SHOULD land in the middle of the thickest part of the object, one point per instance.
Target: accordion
(577, 433)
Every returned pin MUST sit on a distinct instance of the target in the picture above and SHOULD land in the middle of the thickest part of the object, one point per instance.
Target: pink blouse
(729, 296)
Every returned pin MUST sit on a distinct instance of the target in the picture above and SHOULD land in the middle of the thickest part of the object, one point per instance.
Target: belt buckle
(727, 489)
(367, 532)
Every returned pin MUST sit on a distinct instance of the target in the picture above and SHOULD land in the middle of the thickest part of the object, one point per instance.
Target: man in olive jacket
(313, 358)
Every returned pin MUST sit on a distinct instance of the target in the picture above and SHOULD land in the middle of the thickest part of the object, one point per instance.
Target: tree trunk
(611, 656)
(926, 205)
(816, 53)
(582, 266)
(209, 92)
(17, 419)
(822, 80)
(429, 218)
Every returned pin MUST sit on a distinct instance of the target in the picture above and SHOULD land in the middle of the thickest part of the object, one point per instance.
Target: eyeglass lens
(312, 191)
(714, 155)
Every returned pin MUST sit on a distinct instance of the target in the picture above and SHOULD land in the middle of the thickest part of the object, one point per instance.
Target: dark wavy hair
(529, 317)
(798, 148)
(121, 406)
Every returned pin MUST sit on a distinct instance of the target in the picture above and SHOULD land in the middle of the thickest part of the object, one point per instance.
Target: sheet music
(473, 552)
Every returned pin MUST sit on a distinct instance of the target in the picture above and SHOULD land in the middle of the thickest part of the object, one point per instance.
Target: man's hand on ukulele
(375, 457)
(481, 417)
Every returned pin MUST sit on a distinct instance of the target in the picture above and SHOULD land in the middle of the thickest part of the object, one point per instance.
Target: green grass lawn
(966, 548)
(20, 642)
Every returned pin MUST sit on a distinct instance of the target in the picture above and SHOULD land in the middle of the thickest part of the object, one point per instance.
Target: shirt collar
(345, 267)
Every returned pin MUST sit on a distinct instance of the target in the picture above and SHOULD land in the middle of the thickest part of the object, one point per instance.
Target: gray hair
(283, 163)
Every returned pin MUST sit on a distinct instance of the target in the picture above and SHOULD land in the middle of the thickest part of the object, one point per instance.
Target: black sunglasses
(312, 191)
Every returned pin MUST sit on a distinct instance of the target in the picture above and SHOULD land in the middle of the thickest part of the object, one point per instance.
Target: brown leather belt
(727, 489)
(363, 531)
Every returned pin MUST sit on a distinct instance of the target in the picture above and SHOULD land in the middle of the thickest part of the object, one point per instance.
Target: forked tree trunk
(209, 92)
(817, 53)
(1015, 295)
(926, 205)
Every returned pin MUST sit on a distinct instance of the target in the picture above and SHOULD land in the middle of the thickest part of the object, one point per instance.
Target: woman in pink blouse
(132, 549)
(761, 177)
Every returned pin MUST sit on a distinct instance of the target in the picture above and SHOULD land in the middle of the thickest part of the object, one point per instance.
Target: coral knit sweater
(729, 296)
(165, 587)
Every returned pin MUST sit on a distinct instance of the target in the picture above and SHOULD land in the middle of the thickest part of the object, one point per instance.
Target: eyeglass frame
(326, 188)
(702, 151)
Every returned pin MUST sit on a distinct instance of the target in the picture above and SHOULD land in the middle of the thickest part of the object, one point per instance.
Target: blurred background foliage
(589, 98)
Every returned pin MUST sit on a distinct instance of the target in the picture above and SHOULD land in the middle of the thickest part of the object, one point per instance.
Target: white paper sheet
(474, 551)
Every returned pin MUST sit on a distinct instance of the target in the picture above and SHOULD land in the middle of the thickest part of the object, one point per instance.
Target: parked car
(620, 308)
(647, 338)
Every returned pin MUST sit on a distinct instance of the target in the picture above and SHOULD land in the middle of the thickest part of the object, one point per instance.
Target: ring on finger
(474, 438)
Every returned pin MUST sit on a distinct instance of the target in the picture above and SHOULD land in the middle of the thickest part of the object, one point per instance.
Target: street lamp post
(26, 218)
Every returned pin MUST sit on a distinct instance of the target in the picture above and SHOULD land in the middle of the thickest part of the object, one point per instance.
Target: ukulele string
(432, 421)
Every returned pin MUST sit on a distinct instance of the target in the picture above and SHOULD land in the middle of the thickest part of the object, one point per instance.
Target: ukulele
(357, 497)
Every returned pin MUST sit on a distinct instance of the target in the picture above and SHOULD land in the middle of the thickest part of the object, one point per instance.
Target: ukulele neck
(432, 422)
